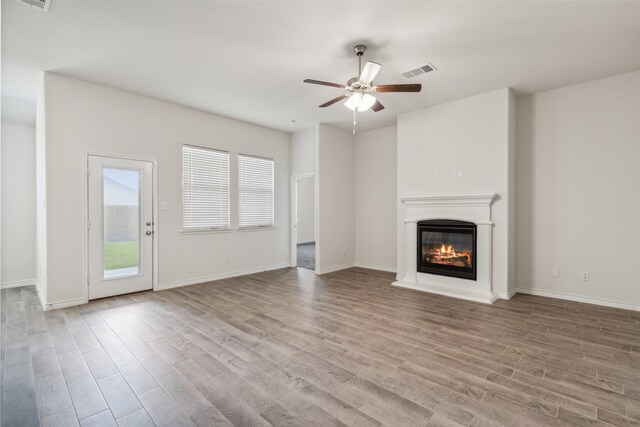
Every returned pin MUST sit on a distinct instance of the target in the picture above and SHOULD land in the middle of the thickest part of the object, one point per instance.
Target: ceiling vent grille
(420, 70)
(38, 4)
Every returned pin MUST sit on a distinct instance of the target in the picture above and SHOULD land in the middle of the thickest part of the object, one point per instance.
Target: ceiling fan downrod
(359, 49)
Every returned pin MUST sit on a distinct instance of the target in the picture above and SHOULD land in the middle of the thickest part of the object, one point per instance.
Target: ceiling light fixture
(360, 101)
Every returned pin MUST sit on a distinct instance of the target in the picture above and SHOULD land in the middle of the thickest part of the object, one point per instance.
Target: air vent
(38, 4)
(420, 70)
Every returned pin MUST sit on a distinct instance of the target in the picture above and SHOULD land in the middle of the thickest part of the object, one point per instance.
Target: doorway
(120, 225)
(304, 221)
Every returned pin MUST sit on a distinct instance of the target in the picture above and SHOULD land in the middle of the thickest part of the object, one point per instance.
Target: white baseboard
(576, 298)
(220, 276)
(334, 268)
(17, 283)
(46, 306)
(306, 242)
(507, 295)
(40, 297)
(375, 267)
(60, 304)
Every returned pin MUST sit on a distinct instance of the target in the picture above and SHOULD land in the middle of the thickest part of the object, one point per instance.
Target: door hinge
(88, 225)
(88, 171)
(88, 280)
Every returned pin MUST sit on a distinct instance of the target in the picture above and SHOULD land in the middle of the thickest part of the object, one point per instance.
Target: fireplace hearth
(447, 248)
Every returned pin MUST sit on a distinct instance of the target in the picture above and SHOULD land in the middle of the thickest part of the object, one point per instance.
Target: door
(303, 222)
(121, 228)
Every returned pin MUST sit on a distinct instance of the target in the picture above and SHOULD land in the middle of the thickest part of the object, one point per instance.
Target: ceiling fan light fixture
(360, 101)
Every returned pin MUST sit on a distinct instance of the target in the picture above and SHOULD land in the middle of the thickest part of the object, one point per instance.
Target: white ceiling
(247, 60)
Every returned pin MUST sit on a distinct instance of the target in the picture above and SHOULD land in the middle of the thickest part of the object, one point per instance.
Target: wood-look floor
(289, 348)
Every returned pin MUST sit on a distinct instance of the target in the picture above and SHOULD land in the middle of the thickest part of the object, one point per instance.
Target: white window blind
(255, 191)
(205, 188)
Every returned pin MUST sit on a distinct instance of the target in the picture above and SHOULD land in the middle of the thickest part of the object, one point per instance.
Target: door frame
(85, 214)
(293, 230)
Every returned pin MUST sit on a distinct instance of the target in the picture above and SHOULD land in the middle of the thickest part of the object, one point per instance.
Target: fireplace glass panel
(454, 249)
(447, 247)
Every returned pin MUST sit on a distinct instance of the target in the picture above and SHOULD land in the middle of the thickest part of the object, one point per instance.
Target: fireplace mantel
(478, 200)
(474, 208)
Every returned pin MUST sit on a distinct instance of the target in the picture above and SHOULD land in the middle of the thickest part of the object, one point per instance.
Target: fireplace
(447, 248)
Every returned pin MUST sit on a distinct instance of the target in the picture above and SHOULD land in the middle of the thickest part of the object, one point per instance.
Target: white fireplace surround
(475, 208)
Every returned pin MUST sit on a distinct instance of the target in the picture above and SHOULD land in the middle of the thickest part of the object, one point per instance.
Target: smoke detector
(420, 70)
(39, 4)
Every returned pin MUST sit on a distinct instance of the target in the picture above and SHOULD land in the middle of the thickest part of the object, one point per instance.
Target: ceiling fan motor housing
(359, 49)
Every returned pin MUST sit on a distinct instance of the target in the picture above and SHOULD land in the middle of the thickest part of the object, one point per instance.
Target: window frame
(196, 230)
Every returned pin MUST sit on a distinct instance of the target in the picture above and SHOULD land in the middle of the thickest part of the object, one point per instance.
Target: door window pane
(121, 244)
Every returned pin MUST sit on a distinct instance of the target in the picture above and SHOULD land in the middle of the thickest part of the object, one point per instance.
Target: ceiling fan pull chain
(354, 120)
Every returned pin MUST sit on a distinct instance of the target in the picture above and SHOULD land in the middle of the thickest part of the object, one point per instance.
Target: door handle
(148, 223)
(149, 233)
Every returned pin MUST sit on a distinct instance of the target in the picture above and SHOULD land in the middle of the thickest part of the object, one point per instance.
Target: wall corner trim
(375, 267)
(507, 295)
(200, 280)
(18, 283)
(335, 268)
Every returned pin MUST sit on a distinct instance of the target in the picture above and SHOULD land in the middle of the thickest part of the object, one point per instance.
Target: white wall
(84, 116)
(303, 159)
(306, 212)
(579, 191)
(375, 198)
(335, 184)
(18, 111)
(18, 205)
(471, 136)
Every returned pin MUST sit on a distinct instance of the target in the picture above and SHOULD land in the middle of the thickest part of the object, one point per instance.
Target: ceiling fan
(359, 89)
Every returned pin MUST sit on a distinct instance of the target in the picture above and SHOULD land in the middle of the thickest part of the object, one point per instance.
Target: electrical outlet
(454, 174)
(584, 276)
(436, 176)
(460, 174)
(556, 272)
(227, 259)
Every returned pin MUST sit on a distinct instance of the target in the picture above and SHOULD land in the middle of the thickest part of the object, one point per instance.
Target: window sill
(207, 230)
(257, 228)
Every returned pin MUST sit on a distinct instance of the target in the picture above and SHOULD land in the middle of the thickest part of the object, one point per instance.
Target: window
(205, 188)
(255, 191)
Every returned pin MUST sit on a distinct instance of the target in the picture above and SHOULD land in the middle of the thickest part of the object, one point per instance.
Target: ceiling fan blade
(320, 82)
(333, 101)
(399, 88)
(369, 72)
(377, 106)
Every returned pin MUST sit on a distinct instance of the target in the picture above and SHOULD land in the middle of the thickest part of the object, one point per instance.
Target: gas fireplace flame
(447, 250)
(447, 255)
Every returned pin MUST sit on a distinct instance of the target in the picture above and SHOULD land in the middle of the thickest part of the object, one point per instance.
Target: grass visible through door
(120, 255)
